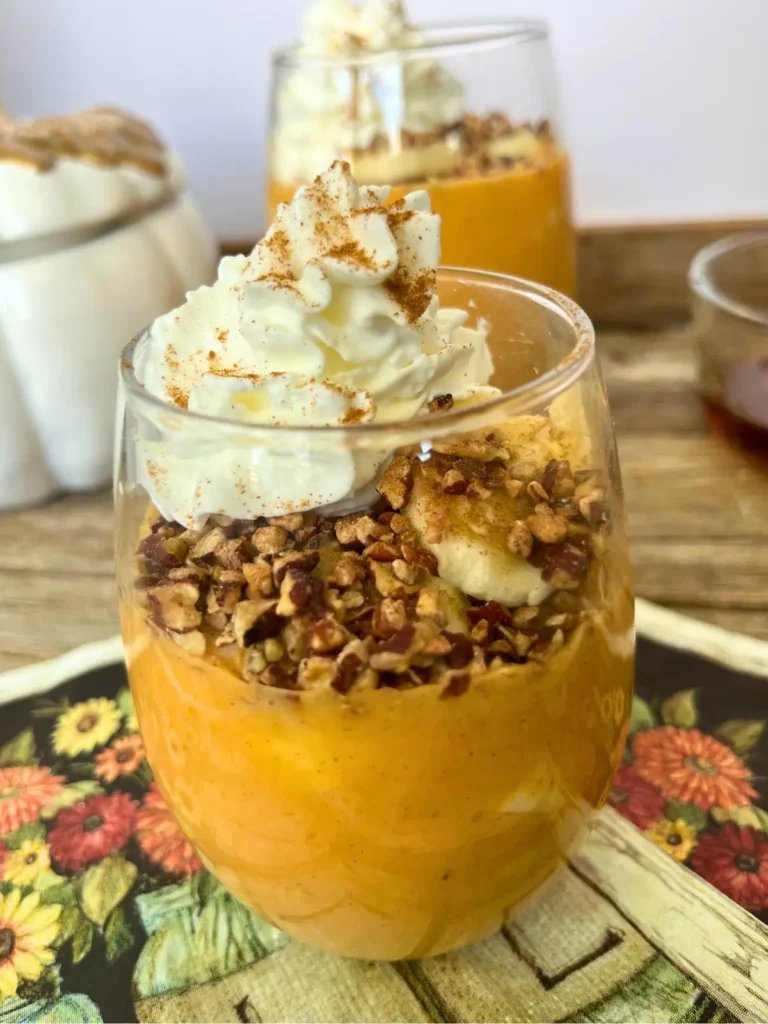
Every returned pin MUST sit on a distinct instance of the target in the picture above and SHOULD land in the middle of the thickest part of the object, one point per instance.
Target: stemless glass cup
(409, 800)
(505, 200)
(729, 282)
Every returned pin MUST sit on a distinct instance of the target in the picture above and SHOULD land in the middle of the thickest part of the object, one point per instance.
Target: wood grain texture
(637, 276)
(710, 939)
(697, 510)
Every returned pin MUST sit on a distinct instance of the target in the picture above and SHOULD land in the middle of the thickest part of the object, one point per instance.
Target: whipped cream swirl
(333, 320)
(324, 112)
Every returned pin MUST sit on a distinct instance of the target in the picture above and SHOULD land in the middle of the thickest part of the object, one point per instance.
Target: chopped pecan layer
(303, 601)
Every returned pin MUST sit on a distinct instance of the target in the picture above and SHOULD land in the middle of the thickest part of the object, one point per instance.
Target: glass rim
(441, 39)
(701, 281)
(462, 419)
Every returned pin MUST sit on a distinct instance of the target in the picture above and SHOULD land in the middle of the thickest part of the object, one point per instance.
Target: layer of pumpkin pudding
(505, 208)
(383, 691)
(392, 822)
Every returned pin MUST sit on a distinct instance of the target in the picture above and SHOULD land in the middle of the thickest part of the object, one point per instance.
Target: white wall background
(664, 100)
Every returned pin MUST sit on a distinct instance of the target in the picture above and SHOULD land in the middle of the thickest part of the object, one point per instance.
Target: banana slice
(467, 533)
(483, 567)
(468, 537)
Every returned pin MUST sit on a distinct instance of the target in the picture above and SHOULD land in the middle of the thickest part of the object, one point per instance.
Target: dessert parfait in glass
(374, 583)
(468, 111)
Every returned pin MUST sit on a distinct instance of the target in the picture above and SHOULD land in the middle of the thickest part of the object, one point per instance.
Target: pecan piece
(349, 664)
(254, 621)
(203, 550)
(513, 487)
(428, 605)
(458, 683)
(299, 591)
(188, 574)
(419, 556)
(317, 671)
(547, 526)
(400, 524)
(472, 447)
(565, 566)
(174, 606)
(348, 570)
(524, 615)
(492, 611)
(520, 539)
(480, 632)
(394, 654)
(163, 552)
(397, 481)
(461, 652)
(557, 479)
(278, 677)
(406, 573)
(388, 617)
(226, 636)
(453, 482)
(232, 554)
(477, 489)
(568, 508)
(385, 580)
(536, 492)
(522, 643)
(306, 561)
(223, 594)
(273, 649)
(258, 576)
(496, 477)
(292, 522)
(352, 599)
(268, 540)
(217, 621)
(438, 646)
(325, 636)
(254, 663)
(358, 529)
(379, 551)
(593, 509)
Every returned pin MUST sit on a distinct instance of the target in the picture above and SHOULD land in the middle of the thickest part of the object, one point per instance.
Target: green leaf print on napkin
(69, 795)
(741, 734)
(197, 934)
(680, 710)
(20, 750)
(104, 886)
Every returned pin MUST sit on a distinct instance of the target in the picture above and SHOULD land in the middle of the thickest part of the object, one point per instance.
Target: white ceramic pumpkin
(97, 237)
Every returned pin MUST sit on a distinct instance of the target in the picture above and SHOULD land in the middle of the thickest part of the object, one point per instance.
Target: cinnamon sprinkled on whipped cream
(333, 320)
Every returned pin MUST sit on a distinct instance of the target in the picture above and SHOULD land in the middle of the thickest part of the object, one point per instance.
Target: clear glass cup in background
(388, 822)
(729, 282)
(504, 197)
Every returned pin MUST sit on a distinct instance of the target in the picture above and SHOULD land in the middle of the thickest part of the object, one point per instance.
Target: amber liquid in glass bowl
(729, 281)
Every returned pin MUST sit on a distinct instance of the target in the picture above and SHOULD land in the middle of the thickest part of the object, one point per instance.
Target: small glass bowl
(729, 282)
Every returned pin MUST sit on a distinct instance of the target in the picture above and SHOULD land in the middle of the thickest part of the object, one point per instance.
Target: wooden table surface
(698, 515)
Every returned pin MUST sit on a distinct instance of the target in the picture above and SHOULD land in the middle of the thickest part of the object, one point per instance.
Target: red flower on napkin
(735, 860)
(635, 799)
(91, 829)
